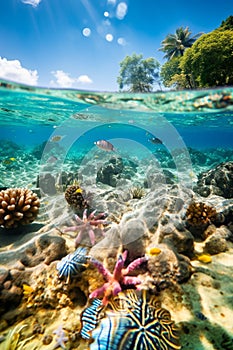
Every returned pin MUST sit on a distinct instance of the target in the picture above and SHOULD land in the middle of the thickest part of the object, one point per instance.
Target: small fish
(105, 145)
(155, 141)
(52, 159)
(153, 251)
(27, 289)
(200, 315)
(57, 138)
(8, 161)
(79, 190)
(205, 258)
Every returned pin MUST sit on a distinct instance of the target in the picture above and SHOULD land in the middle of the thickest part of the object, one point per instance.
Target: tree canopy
(227, 24)
(138, 74)
(210, 60)
(174, 45)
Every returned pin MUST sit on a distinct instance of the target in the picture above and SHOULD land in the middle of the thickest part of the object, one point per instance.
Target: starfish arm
(92, 215)
(134, 264)
(101, 216)
(77, 218)
(85, 215)
(91, 236)
(131, 280)
(100, 267)
(98, 222)
(71, 229)
(78, 238)
(117, 273)
(99, 291)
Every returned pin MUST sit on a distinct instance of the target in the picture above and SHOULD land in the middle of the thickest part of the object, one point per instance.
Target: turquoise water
(160, 139)
(187, 121)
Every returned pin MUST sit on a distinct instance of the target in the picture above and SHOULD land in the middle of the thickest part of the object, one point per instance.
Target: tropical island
(204, 60)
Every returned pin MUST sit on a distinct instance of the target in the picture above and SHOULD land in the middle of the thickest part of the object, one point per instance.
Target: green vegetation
(138, 74)
(202, 60)
(210, 60)
(174, 45)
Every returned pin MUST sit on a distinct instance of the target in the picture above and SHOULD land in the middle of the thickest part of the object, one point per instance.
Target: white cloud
(121, 10)
(34, 3)
(65, 81)
(12, 70)
(84, 79)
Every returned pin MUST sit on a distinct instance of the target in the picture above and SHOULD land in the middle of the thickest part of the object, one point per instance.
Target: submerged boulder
(217, 181)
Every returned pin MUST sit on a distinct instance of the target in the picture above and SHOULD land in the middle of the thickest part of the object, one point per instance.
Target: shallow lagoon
(47, 142)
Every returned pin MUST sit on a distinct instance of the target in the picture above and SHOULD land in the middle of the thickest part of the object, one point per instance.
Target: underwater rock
(180, 240)
(217, 242)
(132, 237)
(4, 272)
(46, 182)
(217, 181)
(110, 172)
(45, 249)
(167, 268)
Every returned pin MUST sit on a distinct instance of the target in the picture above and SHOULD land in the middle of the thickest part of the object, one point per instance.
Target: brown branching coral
(74, 196)
(199, 214)
(18, 206)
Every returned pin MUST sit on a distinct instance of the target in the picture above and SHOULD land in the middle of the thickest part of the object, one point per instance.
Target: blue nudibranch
(73, 263)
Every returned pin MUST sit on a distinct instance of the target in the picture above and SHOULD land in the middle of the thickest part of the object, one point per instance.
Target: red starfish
(117, 279)
(85, 224)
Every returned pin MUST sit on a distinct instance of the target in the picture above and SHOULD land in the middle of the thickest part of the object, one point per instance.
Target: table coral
(86, 225)
(117, 279)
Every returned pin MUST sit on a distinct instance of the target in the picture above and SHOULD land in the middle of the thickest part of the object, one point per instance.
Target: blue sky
(80, 43)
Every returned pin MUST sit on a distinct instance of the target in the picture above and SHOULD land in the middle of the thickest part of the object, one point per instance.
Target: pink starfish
(117, 279)
(85, 225)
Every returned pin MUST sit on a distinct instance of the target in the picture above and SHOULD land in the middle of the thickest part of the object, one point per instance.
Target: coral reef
(18, 206)
(117, 279)
(86, 224)
(75, 197)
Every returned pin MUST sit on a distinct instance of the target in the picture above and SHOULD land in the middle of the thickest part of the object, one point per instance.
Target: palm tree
(174, 45)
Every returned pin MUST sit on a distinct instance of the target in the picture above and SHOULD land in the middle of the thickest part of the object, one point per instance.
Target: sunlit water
(46, 131)
(39, 123)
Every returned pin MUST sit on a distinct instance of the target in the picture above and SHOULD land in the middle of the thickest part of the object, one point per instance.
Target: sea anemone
(137, 192)
(18, 206)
